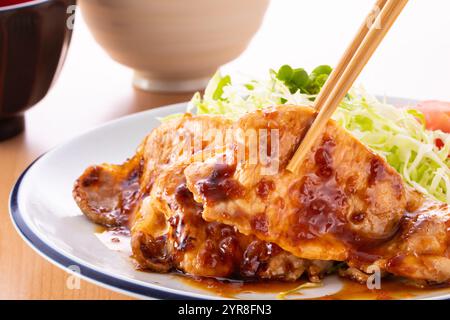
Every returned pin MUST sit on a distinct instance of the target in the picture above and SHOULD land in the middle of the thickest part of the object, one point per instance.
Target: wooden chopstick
(348, 54)
(349, 73)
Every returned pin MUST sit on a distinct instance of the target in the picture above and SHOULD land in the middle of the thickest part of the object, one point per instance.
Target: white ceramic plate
(47, 217)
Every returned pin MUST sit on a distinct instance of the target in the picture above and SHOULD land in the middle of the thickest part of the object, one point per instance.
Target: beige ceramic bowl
(173, 45)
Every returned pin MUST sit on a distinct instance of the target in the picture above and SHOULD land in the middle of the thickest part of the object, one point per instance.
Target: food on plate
(148, 195)
(172, 235)
(346, 203)
(200, 198)
(399, 135)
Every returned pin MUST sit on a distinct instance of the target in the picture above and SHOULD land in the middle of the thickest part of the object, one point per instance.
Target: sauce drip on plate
(390, 289)
(232, 288)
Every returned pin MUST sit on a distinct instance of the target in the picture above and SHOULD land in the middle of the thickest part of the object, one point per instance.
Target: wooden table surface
(91, 89)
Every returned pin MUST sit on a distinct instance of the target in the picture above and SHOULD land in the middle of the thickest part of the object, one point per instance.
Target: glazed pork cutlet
(148, 195)
(346, 203)
(110, 195)
(172, 235)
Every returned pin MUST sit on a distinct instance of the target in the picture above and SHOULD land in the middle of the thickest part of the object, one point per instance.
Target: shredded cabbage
(399, 135)
(239, 98)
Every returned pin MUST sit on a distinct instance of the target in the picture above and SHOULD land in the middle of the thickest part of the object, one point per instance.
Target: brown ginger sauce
(99, 228)
(220, 185)
(231, 288)
(390, 289)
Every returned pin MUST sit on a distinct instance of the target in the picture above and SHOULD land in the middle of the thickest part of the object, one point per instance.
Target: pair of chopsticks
(366, 41)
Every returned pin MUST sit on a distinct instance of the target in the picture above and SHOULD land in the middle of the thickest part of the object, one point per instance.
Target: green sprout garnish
(299, 80)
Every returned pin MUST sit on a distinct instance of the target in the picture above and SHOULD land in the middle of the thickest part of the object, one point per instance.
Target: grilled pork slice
(345, 204)
(148, 195)
(110, 195)
(172, 235)
(107, 194)
(420, 249)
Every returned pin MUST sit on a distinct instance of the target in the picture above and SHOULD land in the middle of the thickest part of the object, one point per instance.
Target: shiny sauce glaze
(322, 204)
(390, 289)
(216, 245)
(118, 231)
(264, 187)
(232, 288)
(190, 214)
(111, 195)
(321, 201)
(219, 250)
(130, 194)
(220, 185)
